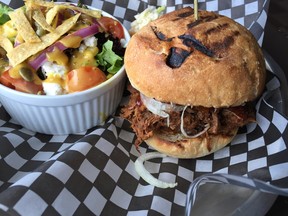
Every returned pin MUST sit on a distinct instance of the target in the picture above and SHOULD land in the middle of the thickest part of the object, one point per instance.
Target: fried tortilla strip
(25, 50)
(93, 13)
(6, 44)
(40, 3)
(51, 14)
(23, 26)
(28, 12)
(39, 17)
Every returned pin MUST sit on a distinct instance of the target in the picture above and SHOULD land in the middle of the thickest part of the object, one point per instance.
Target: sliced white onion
(143, 172)
(155, 106)
(159, 108)
(207, 126)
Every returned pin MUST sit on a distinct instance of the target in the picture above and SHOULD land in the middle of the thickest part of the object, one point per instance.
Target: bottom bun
(190, 148)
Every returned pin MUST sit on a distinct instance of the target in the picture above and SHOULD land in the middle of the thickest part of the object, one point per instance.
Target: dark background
(276, 44)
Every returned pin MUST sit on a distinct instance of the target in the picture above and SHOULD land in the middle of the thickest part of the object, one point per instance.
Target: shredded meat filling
(221, 120)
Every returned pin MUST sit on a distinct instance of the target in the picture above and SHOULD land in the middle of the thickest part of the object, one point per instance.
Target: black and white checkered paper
(92, 173)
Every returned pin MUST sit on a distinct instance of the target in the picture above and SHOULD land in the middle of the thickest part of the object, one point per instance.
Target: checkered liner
(93, 173)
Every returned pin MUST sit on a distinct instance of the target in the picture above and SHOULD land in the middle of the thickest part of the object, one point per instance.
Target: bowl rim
(71, 96)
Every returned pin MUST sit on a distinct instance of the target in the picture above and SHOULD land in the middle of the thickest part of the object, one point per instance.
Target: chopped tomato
(84, 78)
(112, 26)
(6, 80)
(20, 84)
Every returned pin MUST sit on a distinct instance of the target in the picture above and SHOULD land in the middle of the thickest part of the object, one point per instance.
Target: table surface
(276, 44)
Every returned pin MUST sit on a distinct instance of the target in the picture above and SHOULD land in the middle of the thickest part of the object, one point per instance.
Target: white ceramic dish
(65, 114)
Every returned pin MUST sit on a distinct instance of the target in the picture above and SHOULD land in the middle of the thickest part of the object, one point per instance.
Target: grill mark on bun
(211, 17)
(195, 23)
(176, 57)
(202, 19)
(160, 35)
(220, 47)
(217, 29)
(184, 15)
(190, 41)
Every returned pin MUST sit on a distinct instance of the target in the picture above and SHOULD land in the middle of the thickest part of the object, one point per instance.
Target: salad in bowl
(49, 48)
(61, 66)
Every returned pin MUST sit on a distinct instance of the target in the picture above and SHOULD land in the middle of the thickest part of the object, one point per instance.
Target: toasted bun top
(230, 72)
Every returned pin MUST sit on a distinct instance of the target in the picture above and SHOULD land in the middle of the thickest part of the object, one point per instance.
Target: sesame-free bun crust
(234, 74)
(190, 148)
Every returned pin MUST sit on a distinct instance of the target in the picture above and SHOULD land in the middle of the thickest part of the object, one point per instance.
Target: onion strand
(144, 174)
(207, 126)
(159, 108)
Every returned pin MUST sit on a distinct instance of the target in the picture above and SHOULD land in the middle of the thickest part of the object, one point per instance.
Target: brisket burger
(193, 82)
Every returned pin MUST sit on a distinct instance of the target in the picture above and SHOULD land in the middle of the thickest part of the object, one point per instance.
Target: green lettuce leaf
(108, 59)
(4, 17)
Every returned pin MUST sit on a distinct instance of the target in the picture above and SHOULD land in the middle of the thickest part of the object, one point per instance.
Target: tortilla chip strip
(93, 13)
(23, 51)
(48, 4)
(51, 14)
(6, 44)
(23, 26)
(39, 17)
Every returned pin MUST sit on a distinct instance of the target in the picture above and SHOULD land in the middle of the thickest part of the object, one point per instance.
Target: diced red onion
(16, 43)
(83, 33)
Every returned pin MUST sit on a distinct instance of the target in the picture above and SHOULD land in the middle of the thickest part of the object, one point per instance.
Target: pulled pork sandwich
(193, 82)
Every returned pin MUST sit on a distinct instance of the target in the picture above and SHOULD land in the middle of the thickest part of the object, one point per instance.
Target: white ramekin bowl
(65, 114)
